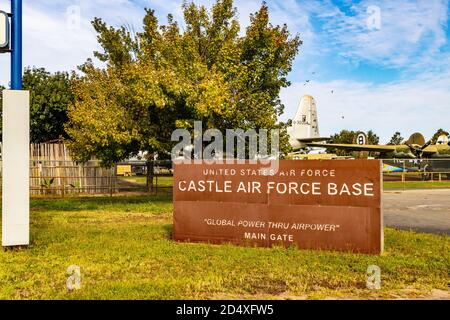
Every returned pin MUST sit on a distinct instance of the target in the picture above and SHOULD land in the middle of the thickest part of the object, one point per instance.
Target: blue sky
(381, 65)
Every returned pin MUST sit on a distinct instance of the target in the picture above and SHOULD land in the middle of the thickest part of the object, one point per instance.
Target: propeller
(418, 150)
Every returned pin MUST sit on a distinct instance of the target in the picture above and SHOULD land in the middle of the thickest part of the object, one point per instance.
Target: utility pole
(16, 44)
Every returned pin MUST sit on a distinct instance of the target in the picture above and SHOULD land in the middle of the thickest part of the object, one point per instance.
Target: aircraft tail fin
(305, 124)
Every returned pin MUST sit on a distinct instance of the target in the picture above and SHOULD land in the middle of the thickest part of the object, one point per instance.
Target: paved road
(420, 210)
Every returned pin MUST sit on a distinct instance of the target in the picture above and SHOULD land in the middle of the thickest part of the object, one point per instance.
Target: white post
(15, 171)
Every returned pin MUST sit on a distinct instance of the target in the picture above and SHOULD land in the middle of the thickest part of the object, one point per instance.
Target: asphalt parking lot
(419, 210)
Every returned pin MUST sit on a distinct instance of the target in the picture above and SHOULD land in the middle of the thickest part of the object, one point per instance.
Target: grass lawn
(124, 249)
(415, 184)
(161, 181)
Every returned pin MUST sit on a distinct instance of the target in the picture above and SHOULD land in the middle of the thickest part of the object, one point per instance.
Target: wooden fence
(66, 177)
(53, 171)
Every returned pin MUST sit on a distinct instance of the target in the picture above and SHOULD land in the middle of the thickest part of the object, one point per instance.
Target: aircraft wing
(354, 147)
(318, 139)
(430, 150)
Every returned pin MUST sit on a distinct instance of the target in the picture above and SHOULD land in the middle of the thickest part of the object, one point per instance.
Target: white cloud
(422, 105)
(50, 40)
(410, 34)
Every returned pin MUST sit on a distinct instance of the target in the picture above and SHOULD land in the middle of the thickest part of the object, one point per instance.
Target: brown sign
(311, 204)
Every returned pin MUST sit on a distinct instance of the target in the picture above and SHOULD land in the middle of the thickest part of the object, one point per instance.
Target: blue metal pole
(16, 45)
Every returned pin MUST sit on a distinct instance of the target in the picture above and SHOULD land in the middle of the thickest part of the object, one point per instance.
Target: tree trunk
(150, 174)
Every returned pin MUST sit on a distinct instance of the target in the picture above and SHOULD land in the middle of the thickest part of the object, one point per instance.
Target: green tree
(349, 137)
(372, 137)
(343, 137)
(50, 96)
(440, 132)
(165, 78)
(396, 139)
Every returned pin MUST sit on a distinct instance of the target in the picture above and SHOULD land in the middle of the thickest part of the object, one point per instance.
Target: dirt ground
(419, 210)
